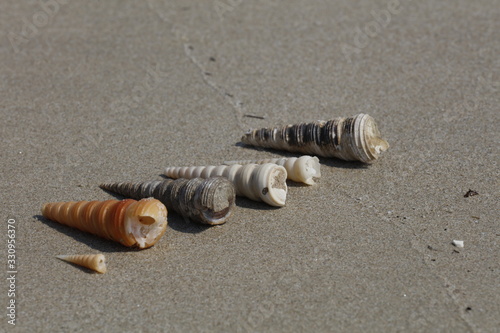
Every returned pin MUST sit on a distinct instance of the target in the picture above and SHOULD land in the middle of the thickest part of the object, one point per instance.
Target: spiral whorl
(96, 262)
(129, 222)
(266, 182)
(209, 201)
(299, 169)
(354, 138)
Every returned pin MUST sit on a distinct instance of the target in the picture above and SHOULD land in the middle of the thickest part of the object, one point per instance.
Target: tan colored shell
(265, 182)
(129, 222)
(299, 169)
(354, 138)
(209, 201)
(95, 262)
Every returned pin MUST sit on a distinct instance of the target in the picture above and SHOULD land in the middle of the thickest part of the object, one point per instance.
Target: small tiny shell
(299, 169)
(354, 138)
(265, 182)
(129, 222)
(209, 201)
(96, 262)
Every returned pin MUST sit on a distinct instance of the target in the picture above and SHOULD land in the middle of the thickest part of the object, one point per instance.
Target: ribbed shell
(354, 138)
(129, 222)
(95, 262)
(209, 201)
(299, 169)
(266, 182)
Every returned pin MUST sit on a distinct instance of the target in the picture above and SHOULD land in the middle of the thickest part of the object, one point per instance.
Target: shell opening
(311, 170)
(145, 222)
(222, 203)
(374, 142)
(100, 266)
(217, 217)
(275, 194)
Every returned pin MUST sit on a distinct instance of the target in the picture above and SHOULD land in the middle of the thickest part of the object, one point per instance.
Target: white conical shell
(265, 182)
(95, 262)
(299, 169)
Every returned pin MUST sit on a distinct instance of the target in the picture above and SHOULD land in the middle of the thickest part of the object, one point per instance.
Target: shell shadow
(337, 163)
(117, 196)
(291, 183)
(247, 203)
(93, 241)
(282, 153)
(185, 225)
(331, 162)
(175, 221)
(81, 268)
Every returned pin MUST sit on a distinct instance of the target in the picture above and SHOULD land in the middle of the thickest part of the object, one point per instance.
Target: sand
(118, 90)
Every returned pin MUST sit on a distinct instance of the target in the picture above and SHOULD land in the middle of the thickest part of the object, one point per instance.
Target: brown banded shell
(209, 201)
(266, 182)
(354, 138)
(95, 262)
(129, 222)
(302, 169)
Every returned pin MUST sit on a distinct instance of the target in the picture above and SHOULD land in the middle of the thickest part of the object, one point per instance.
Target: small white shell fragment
(264, 182)
(302, 169)
(95, 262)
(458, 243)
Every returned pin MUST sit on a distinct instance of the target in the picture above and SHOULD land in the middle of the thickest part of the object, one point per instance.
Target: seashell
(354, 138)
(265, 182)
(95, 262)
(299, 169)
(209, 201)
(129, 222)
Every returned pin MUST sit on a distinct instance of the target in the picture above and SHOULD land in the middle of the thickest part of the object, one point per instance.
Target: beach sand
(118, 90)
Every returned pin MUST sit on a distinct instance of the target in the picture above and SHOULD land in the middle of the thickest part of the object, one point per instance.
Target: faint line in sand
(236, 104)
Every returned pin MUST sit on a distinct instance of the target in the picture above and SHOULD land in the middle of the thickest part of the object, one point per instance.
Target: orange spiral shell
(129, 222)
